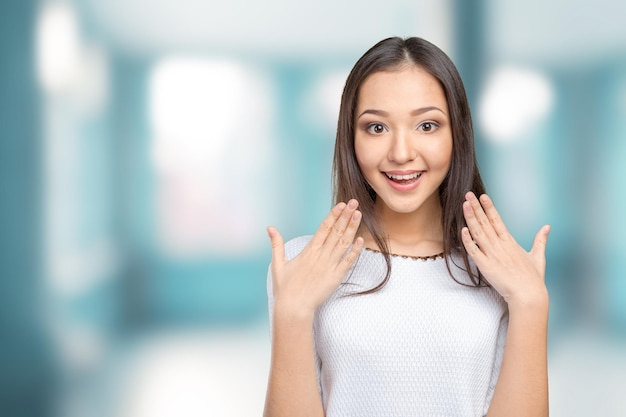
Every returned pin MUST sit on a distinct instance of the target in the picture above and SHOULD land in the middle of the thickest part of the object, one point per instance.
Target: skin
(402, 126)
(300, 286)
(519, 276)
(394, 137)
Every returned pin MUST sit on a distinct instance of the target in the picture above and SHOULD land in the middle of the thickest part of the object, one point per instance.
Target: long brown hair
(463, 176)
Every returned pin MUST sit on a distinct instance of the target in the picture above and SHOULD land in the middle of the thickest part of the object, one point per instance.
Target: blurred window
(210, 147)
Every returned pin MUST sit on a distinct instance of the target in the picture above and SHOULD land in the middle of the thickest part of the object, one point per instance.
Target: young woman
(412, 298)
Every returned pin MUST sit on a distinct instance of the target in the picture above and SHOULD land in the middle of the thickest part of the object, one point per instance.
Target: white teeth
(404, 177)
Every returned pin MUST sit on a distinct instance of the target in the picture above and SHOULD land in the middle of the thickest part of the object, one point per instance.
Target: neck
(418, 233)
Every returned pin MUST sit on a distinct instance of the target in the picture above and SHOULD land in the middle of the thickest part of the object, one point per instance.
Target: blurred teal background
(145, 145)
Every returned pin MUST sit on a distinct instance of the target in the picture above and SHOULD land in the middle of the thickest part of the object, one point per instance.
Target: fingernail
(339, 207)
(356, 216)
(352, 204)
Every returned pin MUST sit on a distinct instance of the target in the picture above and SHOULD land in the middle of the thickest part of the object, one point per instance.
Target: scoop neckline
(419, 258)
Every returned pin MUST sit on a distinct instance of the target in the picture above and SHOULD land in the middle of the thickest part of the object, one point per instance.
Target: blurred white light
(194, 374)
(195, 100)
(58, 46)
(92, 84)
(210, 121)
(322, 106)
(77, 271)
(514, 101)
(268, 28)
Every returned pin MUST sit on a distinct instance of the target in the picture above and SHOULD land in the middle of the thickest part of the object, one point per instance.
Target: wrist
(536, 302)
(286, 312)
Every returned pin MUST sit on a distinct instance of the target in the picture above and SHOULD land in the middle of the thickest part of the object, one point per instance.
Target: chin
(410, 205)
(403, 208)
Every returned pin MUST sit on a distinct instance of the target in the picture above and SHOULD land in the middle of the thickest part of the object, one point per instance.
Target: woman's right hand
(303, 283)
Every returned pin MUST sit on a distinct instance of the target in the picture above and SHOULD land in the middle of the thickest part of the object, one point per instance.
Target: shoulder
(294, 246)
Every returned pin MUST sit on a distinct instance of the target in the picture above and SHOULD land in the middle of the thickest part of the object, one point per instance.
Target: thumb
(540, 241)
(278, 246)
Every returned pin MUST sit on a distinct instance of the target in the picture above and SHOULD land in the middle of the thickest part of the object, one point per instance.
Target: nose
(402, 149)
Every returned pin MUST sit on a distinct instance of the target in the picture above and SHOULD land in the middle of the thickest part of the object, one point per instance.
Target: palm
(511, 270)
(307, 280)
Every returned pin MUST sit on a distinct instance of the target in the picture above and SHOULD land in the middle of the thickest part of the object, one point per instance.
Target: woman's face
(403, 138)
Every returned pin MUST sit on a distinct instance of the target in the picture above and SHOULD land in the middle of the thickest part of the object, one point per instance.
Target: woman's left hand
(518, 275)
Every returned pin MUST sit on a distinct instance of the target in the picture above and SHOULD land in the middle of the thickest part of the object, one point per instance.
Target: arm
(292, 388)
(522, 387)
(519, 276)
(299, 287)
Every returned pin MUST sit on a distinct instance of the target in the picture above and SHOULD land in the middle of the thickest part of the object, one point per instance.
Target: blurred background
(146, 144)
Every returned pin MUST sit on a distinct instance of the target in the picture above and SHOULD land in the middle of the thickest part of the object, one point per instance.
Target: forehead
(406, 87)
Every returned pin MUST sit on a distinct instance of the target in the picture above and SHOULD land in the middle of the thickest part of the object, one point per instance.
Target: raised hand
(518, 275)
(306, 281)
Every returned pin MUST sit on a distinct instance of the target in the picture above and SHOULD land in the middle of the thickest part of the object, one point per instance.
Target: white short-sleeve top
(424, 345)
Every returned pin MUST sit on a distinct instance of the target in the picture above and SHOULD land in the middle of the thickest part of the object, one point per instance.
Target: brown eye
(428, 127)
(376, 128)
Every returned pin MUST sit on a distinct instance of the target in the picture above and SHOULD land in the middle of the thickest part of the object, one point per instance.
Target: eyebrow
(415, 112)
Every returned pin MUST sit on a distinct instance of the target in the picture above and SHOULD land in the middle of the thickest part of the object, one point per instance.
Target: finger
(540, 242)
(337, 235)
(326, 227)
(493, 216)
(470, 246)
(347, 239)
(351, 257)
(480, 215)
(474, 227)
(278, 246)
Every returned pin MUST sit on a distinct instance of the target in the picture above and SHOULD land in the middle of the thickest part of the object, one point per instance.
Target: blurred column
(469, 44)
(309, 156)
(132, 188)
(25, 363)
(470, 49)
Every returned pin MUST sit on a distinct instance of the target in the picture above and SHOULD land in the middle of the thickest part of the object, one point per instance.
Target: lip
(403, 187)
(402, 172)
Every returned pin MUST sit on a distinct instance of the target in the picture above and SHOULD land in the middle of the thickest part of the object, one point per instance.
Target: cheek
(361, 156)
(441, 155)
(446, 160)
(367, 163)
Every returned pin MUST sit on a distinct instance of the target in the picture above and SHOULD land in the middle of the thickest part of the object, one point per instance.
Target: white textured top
(423, 345)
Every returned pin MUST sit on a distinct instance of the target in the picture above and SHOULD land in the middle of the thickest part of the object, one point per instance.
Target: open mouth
(404, 179)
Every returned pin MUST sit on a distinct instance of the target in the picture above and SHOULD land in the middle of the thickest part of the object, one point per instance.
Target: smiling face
(403, 139)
